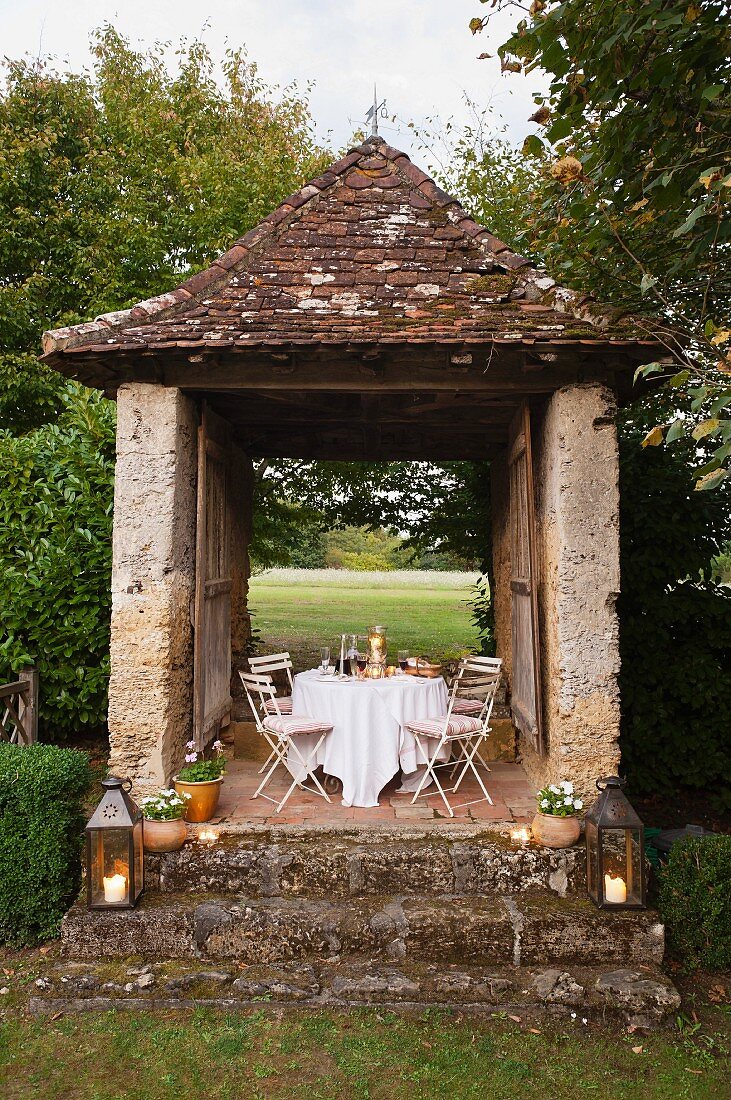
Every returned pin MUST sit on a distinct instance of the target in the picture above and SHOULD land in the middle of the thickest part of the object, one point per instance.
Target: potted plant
(163, 828)
(201, 779)
(556, 824)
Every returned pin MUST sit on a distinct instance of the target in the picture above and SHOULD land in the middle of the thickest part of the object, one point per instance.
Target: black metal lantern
(114, 860)
(615, 850)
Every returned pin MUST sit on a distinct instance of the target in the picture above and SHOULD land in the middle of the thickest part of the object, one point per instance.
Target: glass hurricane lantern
(114, 855)
(615, 850)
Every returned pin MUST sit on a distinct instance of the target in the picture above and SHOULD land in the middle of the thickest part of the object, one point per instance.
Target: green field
(301, 610)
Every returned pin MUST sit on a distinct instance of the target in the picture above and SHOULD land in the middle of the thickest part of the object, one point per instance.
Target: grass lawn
(301, 610)
(327, 1055)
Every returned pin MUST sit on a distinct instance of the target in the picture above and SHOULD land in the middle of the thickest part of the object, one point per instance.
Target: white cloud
(421, 55)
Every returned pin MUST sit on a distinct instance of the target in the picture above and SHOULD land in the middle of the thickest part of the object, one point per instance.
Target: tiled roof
(372, 251)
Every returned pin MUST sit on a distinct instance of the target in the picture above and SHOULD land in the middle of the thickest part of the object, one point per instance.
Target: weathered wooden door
(526, 685)
(212, 613)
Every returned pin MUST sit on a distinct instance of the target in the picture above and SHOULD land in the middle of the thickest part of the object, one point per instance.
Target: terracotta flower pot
(164, 836)
(555, 832)
(203, 798)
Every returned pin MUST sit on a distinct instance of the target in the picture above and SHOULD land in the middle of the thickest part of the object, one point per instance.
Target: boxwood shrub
(42, 790)
(695, 902)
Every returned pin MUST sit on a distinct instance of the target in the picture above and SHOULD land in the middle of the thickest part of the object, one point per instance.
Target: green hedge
(695, 902)
(41, 820)
(56, 489)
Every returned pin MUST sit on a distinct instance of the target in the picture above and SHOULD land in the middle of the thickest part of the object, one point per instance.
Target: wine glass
(362, 662)
(324, 659)
(403, 660)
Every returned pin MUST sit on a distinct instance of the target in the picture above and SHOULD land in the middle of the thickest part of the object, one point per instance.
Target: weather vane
(374, 111)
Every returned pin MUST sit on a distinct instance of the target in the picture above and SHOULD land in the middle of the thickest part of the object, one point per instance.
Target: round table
(369, 743)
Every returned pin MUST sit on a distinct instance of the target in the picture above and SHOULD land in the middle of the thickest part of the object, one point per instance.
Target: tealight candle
(615, 890)
(115, 888)
(208, 836)
(520, 836)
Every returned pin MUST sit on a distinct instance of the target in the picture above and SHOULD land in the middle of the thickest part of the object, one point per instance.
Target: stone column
(153, 574)
(576, 473)
(239, 504)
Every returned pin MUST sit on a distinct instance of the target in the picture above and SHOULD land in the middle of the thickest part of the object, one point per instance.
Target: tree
(675, 619)
(488, 174)
(636, 202)
(116, 184)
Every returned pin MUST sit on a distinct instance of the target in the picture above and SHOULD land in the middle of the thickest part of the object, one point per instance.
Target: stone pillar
(501, 600)
(576, 474)
(153, 574)
(239, 504)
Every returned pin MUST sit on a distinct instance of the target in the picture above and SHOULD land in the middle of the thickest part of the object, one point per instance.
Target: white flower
(545, 803)
(554, 790)
(573, 1015)
(578, 804)
(584, 1020)
(568, 787)
(568, 801)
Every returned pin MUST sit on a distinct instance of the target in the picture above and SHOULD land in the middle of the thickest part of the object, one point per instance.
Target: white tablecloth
(368, 743)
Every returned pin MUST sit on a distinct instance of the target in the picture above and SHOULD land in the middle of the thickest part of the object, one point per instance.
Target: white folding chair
(478, 677)
(275, 662)
(280, 731)
(479, 681)
(451, 731)
(265, 666)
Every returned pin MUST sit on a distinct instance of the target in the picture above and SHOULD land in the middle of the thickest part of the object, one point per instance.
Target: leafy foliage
(42, 790)
(200, 768)
(695, 902)
(675, 621)
(55, 559)
(117, 184)
(477, 163)
(636, 197)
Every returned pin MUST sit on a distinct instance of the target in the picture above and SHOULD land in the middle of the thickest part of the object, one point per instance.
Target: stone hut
(368, 317)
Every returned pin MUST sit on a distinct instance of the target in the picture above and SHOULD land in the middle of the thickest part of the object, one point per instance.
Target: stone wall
(150, 691)
(576, 474)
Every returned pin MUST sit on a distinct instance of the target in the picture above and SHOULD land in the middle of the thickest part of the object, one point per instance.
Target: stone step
(642, 995)
(531, 928)
(337, 865)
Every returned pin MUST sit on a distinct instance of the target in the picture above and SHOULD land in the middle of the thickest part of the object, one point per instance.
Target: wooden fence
(19, 709)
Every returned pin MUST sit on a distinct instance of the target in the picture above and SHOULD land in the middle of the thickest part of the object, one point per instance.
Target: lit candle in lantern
(115, 888)
(520, 836)
(615, 890)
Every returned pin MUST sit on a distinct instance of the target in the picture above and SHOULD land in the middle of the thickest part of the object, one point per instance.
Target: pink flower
(218, 746)
(190, 745)
(190, 757)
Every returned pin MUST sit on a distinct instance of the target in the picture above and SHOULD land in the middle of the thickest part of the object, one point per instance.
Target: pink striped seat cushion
(285, 705)
(293, 725)
(459, 726)
(467, 706)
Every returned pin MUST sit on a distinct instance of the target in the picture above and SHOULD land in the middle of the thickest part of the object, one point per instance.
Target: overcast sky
(420, 52)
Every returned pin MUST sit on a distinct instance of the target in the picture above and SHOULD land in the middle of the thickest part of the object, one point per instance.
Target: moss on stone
(495, 284)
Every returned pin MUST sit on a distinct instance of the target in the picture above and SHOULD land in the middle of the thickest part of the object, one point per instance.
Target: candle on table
(615, 890)
(115, 888)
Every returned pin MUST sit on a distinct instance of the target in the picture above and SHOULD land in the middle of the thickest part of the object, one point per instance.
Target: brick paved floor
(513, 800)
